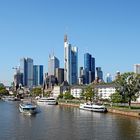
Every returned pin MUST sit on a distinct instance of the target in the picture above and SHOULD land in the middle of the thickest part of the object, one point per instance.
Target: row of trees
(127, 90)
(3, 90)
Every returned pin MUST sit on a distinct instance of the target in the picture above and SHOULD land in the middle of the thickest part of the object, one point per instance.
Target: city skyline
(108, 30)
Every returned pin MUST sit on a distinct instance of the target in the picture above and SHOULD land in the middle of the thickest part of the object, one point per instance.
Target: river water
(65, 123)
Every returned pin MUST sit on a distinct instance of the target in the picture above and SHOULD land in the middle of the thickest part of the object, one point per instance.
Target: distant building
(53, 63)
(137, 68)
(26, 68)
(117, 74)
(89, 68)
(37, 75)
(108, 78)
(18, 78)
(104, 91)
(59, 75)
(81, 79)
(70, 62)
(99, 73)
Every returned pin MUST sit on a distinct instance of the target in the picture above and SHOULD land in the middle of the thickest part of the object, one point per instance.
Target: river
(65, 123)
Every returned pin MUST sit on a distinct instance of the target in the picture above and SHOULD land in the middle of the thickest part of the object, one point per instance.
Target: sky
(107, 29)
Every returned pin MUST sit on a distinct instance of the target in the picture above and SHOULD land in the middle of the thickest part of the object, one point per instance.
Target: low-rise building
(104, 91)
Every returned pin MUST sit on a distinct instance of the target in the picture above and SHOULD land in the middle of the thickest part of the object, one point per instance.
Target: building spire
(65, 38)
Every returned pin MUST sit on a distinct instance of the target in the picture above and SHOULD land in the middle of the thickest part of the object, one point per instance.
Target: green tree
(89, 93)
(116, 98)
(67, 95)
(3, 90)
(36, 91)
(128, 85)
(60, 96)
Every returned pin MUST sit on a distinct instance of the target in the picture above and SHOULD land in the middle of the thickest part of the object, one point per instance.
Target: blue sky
(108, 29)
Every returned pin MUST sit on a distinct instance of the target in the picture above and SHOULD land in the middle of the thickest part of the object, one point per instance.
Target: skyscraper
(137, 68)
(60, 75)
(108, 78)
(70, 62)
(37, 75)
(89, 68)
(26, 67)
(53, 63)
(99, 73)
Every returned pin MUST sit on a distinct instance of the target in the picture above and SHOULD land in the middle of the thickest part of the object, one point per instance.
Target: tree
(89, 93)
(67, 95)
(3, 90)
(128, 85)
(116, 97)
(60, 96)
(36, 91)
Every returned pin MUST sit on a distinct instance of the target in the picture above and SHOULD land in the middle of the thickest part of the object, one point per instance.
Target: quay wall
(135, 113)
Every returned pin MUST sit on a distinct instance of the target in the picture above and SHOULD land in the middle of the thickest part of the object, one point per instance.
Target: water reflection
(65, 123)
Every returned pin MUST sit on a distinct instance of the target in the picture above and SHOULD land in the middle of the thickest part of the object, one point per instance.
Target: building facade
(70, 62)
(26, 68)
(137, 68)
(53, 63)
(59, 75)
(89, 68)
(99, 73)
(37, 75)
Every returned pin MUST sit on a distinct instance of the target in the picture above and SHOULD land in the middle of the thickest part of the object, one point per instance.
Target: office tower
(26, 68)
(37, 75)
(18, 78)
(59, 75)
(99, 73)
(137, 68)
(53, 63)
(108, 78)
(89, 68)
(81, 76)
(117, 75)
(70, 62)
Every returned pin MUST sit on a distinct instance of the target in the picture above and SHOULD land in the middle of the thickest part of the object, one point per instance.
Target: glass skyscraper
(89, 68)
(70, 62)
(26, 67)
(53, 63)
(37, 75)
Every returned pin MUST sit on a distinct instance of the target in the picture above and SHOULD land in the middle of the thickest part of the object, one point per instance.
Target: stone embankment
(133, 113)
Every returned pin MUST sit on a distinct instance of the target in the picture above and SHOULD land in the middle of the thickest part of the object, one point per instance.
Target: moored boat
(28, 108)
(47, 101)
(93, 107)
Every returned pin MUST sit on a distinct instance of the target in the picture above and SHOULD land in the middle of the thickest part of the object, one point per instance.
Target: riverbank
(122, 111)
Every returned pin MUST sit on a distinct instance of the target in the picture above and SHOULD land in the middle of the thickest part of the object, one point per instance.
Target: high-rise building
(37, 75)
(53, 63)
(60, 75)
(70, 62)
(137, 68)
(81, 76)
(108, 78)
(89, 68)
(26, 67)
(99, 73)
(18, 78)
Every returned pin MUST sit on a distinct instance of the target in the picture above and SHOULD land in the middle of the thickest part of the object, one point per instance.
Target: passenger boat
(28, 108)
(47, 101)
(93, 107)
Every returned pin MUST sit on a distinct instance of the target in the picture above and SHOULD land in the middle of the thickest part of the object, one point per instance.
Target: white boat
(93, 107)
(8, 98)
(28, 108)
(47, 101)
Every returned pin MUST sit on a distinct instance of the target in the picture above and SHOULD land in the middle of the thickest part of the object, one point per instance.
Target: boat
(93, 107)
(8, 98)
(47, 101)
(28, 108)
